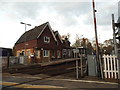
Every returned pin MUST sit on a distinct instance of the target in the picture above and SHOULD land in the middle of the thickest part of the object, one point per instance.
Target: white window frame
(45, 53)
(46, 39)
(69, 53)
(64, 51)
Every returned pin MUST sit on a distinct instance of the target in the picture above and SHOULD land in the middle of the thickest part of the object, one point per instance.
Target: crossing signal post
(116, 35)
(96, 39)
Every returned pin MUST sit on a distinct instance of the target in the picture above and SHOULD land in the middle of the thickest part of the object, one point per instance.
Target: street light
(25, 34)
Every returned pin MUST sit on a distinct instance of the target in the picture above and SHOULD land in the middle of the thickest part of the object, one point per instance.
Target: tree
(107, 47)
(90, 48)
(83, 42)
(77, 41)
(107, 50)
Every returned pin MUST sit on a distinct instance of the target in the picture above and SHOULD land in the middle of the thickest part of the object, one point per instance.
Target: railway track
(50, 71)
(40, 69)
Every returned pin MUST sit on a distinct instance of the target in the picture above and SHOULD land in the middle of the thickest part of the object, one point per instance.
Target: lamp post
(25, 34)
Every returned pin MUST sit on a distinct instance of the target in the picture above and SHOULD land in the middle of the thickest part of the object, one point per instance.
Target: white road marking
(102, 82)
(87, 81)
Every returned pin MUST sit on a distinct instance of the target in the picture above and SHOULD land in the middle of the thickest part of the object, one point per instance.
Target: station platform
(52, 62)
(58, 61)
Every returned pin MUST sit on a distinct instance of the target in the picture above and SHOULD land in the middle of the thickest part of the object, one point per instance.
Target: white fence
(110, 66)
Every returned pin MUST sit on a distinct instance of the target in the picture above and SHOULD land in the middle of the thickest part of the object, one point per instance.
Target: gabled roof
(34, 33)
(66, 43)
(56, 33)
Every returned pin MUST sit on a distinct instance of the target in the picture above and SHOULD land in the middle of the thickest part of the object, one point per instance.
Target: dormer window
(46, 39)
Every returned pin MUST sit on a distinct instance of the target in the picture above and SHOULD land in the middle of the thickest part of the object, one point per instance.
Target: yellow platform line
(28, 85)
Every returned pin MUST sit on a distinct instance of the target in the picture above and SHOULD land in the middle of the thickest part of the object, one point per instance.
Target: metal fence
(92, 65)
(12, 60)
(4, 61)
(110, 66)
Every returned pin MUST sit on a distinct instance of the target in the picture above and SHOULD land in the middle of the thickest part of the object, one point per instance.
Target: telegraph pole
(96, 39)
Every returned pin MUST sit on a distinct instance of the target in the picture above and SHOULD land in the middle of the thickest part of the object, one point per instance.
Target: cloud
(28, 10)
(70, 10)
(67, 10)
(66, 17)
(103, 14)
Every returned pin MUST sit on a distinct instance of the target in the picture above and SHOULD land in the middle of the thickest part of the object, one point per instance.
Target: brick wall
(29, 44)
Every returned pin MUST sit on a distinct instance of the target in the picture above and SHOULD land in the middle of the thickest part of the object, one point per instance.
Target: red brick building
(42, 43)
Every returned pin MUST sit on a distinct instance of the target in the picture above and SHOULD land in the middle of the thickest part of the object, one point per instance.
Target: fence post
(105, 66)
(108, 62)
(81, 66)
(111, 60)
(115, 67)
(75, 56)
(101, 70)
(8, 60)
(118, 68)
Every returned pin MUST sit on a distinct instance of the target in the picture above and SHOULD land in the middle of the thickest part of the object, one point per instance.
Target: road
(56, 76)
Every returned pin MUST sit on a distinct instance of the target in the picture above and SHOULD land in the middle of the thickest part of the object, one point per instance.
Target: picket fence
(110, 66)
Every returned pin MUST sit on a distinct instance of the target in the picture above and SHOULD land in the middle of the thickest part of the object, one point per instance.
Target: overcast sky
(66, 17)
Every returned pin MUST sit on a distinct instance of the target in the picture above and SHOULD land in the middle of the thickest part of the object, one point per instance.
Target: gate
(110, 66)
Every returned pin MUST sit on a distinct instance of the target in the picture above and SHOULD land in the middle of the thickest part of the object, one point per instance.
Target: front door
(58, 54)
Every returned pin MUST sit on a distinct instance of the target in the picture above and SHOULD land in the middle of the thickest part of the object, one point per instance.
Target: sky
(68, 16)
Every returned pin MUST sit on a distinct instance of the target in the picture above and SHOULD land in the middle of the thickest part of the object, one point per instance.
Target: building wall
(42, 44)
(59, 44)
(6, 52)
(59, 47)
(29, 44)
(30, 48)
(36, 47)
(52, 46)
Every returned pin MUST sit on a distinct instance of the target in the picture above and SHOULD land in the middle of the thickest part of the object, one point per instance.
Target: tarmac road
(53, 82)
(52, 77)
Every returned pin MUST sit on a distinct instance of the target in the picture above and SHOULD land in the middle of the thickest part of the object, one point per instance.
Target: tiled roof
(31, 34)
(56, 33)
(66, 43)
